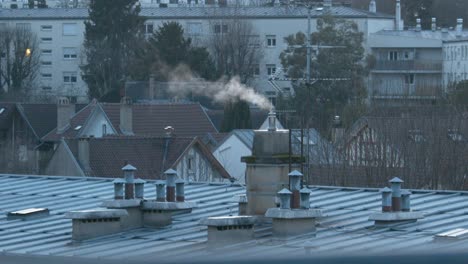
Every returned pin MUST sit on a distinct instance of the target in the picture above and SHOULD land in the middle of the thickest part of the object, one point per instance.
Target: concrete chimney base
(291, 222)
(226, 230)
(159, 214)
(95, 223)
(388, 219)
(134, 219)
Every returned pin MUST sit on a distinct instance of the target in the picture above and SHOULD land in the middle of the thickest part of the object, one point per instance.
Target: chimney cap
(396, 180)
(160, 182)
(386, 190)
(139, 181)
(119, 181)
(129, 167)
(285, 191)
(295, 173)
(170, 172)
(306, 190)
(179, 181)
(405, 193)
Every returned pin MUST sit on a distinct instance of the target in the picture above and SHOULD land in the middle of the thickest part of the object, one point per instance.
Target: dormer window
(104, 129)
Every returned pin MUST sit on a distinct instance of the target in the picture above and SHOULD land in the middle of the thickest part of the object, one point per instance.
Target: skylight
(78, 127)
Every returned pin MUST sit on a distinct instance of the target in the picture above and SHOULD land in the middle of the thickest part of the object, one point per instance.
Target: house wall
(95, 124)
(63, 163)
(455, 68)
(193, 166)
(229, 155)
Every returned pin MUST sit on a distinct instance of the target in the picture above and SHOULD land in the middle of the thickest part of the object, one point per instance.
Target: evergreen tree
(317, 103)
(236, 116)
(111, 35)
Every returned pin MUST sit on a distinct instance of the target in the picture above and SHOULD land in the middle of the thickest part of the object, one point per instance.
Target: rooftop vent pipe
(398, 22)
(242, 204)
(386, 200)
(295, 178)
(119, 189)
(459, 27)
(129, 174)
(406, 201)
(305, 198)
(180, 196)
(285, 199)
(160, 191)
(139, 188)
(171, 176)
(396, 194)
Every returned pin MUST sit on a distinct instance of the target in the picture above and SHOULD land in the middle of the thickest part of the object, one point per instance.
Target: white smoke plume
(183, 82)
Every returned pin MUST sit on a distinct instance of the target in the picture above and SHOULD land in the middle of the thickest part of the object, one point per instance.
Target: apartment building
(415, 65)
(61, 32)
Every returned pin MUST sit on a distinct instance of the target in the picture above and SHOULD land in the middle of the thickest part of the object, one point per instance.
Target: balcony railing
(407, 90)
(408, 65)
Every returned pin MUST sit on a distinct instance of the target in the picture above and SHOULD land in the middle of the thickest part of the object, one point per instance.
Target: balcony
(407, 91)
(430, 66)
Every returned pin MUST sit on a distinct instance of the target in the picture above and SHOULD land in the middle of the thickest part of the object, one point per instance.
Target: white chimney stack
(398, 22)
(433, 24)
(373, 6)
(459, 27)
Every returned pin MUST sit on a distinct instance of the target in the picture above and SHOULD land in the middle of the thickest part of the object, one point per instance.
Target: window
(271, 69)
(46, 40)
(148, 29)
(46, 88)
(194, 28)
(69, 53)
(46, 52)
(271, 40)
(393, 55)
(104, 129)
(46, 75)
(46, 27)
(218, 29)
(70, 77)
(409, 79)
(23, 26)
(69, 29)
(254, 41)
(46, 63)
(416, 135)
(255, 69)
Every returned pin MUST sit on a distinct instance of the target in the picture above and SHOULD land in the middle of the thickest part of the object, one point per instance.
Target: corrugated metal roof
(191, 12)
(345, 227)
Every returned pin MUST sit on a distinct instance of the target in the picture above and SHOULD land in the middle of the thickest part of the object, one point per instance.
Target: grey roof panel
(191, 12)
(345, 226)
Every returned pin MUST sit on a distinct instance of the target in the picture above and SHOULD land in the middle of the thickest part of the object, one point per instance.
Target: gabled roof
(149, 154)
(194, 12)
(187, 119)
(345, 227)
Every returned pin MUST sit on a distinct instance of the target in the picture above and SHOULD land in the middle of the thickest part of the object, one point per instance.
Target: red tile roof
(188, 120)
(145, 153)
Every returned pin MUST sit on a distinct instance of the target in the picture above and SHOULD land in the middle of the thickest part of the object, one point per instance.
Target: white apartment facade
(61, 32)
(417, 65)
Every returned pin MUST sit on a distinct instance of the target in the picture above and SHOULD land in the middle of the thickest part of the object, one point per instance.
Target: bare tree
(236, 47)
(19, 60)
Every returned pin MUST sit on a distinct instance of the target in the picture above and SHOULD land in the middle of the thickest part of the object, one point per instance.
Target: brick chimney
(65, 110)
(126, 116)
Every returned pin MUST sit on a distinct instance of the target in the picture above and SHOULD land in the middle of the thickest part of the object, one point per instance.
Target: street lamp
(27, 53)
